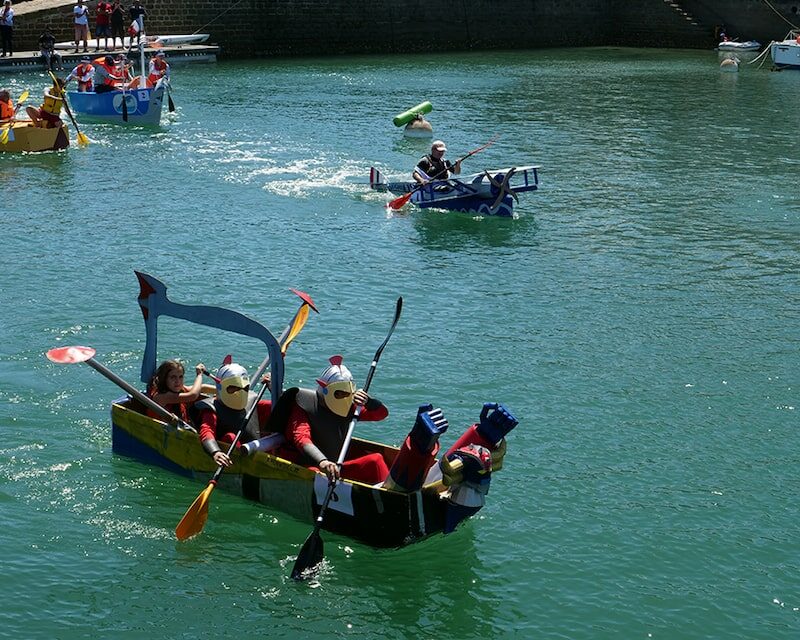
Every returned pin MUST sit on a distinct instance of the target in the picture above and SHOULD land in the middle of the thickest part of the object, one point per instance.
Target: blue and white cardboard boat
(144, 105)
(490, 193)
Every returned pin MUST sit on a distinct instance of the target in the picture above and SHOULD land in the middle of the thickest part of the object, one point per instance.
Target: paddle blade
(70, 355)
(297, 326)
(170, 103)
(82, 139)
(124, 108)
(399, 203)
(195, 517)
(4, 135)
(309, 557)
(305, 298)
(23, 97)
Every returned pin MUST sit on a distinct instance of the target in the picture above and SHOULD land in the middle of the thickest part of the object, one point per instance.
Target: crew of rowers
(107, 73)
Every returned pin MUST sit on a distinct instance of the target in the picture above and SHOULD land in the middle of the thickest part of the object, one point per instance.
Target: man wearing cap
(319, 420)
(84, 73)
(158, 68)
(222, 417)
(433, 166)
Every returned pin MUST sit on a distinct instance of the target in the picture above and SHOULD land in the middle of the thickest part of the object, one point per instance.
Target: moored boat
(166, 40)
(490, 193)
(730, 45)
(24, 136)
(421, 496)
(786, 54)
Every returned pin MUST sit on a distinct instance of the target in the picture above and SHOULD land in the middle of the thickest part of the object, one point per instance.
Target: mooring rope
(233, 6)
(782, 17)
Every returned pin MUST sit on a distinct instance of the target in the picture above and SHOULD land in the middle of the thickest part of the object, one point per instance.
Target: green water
(639, 316)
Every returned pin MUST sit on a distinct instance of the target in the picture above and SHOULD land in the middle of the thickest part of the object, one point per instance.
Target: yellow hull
(27, 138)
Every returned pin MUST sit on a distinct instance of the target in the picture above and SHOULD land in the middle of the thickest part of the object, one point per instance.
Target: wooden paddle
(196, 515)
(76, 354)
(82, 139)
(399, 203)
(4, 135)
(312, 553)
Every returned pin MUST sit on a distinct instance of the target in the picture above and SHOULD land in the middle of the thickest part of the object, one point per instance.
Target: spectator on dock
(7, 28)
(103, 24)
(47, 49)
(80, 14)
(117, 24)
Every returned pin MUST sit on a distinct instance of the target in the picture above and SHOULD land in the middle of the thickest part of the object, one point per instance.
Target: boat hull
(28, 138)
(786, 54)
(376, 516)
(478, 193)
(750, 45)
(144, 105)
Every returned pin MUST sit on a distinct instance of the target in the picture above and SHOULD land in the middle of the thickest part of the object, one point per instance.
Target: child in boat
(167, 389)
(222, 417)
(319, 420)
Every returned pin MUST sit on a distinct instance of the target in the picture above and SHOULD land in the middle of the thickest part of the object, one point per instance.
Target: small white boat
(150, 41)
(786, 54)
(730, 45)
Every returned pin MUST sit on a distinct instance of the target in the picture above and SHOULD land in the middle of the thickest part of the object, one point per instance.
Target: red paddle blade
(70, 355)
(399, 203)
(305, 298)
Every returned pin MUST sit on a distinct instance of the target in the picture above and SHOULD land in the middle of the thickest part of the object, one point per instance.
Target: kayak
(25, 137)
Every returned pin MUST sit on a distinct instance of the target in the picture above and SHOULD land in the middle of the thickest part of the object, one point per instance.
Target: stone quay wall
(256, 28)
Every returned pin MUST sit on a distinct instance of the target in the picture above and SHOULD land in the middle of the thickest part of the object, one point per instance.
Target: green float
(407, 116)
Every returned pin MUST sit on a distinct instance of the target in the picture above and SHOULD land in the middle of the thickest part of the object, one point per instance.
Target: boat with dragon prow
(420, 497)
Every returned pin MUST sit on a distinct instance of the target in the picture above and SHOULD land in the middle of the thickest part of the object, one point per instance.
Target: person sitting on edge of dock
(47, 49)
(84, 74)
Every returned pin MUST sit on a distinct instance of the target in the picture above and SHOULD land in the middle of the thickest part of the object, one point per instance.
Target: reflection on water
(451, 231)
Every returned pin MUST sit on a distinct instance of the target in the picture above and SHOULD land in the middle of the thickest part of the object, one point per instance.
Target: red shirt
(104, 10)
(208, 422)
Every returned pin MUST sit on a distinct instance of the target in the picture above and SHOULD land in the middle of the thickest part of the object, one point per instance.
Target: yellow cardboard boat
(24, 136)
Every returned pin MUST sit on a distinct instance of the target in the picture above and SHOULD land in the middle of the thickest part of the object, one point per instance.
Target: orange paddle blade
(399, 203)
(195, 517)
(297, 326)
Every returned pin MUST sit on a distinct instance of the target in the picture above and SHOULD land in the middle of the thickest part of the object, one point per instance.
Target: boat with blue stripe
(143, 105)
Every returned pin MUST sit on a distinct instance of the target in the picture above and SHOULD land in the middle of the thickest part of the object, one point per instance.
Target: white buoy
(729, 65)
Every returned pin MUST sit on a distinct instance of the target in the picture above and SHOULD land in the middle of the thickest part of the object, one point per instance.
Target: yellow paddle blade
(195, 517)
(297, 326)
(23, 96)
(83, 140)
(4, 135)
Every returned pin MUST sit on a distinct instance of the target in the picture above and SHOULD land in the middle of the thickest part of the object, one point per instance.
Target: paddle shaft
(289, 333)
(247, 417)
(359, 409)
(148, 402)
(66, 104)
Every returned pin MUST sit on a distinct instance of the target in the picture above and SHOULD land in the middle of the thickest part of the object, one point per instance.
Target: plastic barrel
(407, 116)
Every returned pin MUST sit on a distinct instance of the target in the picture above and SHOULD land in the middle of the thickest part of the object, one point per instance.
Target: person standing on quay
(118, 25)
(81, 18)
(7, 28)
(103, 23)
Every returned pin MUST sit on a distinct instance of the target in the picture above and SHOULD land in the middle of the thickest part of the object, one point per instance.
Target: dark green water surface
(639, 315)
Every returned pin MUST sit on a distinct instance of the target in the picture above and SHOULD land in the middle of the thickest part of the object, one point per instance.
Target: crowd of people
(109, 73)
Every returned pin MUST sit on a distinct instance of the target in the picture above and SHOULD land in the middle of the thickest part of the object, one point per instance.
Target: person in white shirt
(80, 14)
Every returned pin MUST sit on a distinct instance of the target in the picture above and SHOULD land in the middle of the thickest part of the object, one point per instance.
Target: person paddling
(433, 166)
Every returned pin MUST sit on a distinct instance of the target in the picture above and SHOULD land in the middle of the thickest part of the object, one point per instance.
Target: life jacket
(6, 110)
(158, 69)
(50, 111)
(110, 69)
(134, 84)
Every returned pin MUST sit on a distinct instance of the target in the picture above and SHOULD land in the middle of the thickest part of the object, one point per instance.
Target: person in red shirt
(222, 417)
(319, 421)
(103, 24)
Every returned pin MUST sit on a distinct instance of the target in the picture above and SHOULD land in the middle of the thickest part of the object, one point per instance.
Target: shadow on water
(451, 231)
